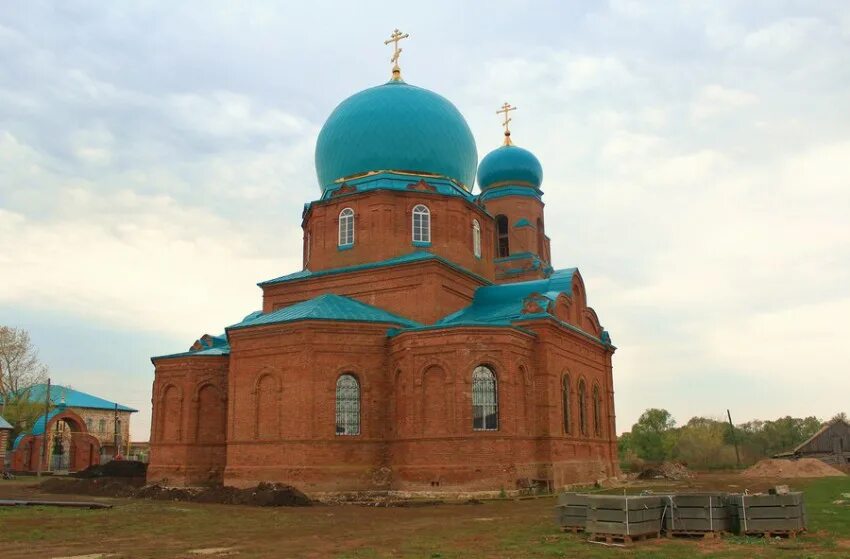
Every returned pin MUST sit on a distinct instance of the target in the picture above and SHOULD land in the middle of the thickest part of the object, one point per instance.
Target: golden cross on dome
(395, 38)
(506, 109)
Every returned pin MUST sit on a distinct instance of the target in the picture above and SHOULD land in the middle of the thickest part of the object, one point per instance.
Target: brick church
(426, 345)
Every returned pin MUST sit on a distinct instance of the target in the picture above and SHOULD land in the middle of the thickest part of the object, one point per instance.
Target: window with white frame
(421, 224)
(485, 400)
(346, 227)
(476, 238)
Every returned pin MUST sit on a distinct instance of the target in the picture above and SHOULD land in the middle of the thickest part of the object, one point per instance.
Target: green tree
(20, 369)
(652, 437)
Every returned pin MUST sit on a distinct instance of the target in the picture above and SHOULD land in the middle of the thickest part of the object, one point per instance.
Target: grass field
(494, 529)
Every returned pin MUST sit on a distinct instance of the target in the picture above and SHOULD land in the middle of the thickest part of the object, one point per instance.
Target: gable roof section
(4, 424)
(503, 304)
(417, 256)
(72, 398)
(329, 307)
(824, 428)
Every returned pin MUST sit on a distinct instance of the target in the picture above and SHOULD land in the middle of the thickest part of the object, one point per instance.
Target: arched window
(503, 248)
(101, 426)
(476, 238)
(307, 241)
(541, 240)
(582, 407)
(89, 424)
(346, 227)
(565, 400)
(421, 224)
(597, 412)
(485, 400)
(347, 405)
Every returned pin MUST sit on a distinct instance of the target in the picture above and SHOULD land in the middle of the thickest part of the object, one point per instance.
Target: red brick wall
(383, 230)
(189, 418)
(4, 441)
(398, 289)
(522, 239)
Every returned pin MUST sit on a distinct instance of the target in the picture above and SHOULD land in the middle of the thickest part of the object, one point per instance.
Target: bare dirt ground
(499, 529)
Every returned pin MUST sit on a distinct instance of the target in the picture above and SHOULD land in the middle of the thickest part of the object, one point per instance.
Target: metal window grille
(597, 412)
(346, 227)
(347, 405)
(485, 400)
(421, 224)
(565, 396)
(582, 408)
(476, 238)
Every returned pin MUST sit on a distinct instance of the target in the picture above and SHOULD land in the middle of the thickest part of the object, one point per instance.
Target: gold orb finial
(395, 38)
(506, 109)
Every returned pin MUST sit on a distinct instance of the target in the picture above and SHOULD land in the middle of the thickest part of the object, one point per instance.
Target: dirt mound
(804, 467)
(667, 470)
(264, 495)
(115, 468)
(99, 487)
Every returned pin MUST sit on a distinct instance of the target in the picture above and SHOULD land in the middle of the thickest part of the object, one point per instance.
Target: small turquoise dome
(396, 127)
(510, 164)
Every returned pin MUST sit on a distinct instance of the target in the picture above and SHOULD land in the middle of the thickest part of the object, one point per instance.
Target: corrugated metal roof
(326, 307)
(502, 304)
(72, 398)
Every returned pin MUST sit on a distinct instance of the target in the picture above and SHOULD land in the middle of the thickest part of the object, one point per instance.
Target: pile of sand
(804, 467)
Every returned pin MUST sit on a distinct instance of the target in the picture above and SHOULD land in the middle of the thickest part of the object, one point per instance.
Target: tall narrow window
(541, 240)
(565, 400)
(307, 240)
(347, 405)
(101, 426)
(597, 412)
(421, 224)
(502, 247)
(485, 400)
(346, 227)
(476, 238)
(582, 407)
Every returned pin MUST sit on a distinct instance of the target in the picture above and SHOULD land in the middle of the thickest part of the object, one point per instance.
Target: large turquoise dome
(510, 164)
(396, 127)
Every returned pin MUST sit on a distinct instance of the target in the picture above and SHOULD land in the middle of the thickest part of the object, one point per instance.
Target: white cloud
(715, 99)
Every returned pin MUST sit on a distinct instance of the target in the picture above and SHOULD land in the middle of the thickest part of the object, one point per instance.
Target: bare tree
(20, 367)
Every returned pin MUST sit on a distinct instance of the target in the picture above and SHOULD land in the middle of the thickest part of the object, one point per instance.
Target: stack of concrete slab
(624, 518)
(769, 515)
(571, 511)
(704, 514)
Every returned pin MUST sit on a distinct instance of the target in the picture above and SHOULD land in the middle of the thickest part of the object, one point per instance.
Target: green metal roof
(4, 424)
(503, 304)
(326, 307)
(417, 256)
(72, 398)
(396, 181)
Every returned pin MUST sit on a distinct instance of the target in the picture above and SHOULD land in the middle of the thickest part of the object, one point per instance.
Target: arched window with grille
(346, 227)
(421, 224)
(101, 426)
(89, 424)
(565, 401)
(597, 412)
(485, 400)
(582, 407)
(476, 238)
(503, 248)
(347, 405)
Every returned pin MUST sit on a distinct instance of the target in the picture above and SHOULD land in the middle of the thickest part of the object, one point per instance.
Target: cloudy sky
(155, 156)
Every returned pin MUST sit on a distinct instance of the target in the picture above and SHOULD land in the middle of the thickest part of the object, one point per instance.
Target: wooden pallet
(790, 534)
(706, 535)
(622, 538)
(573, 529)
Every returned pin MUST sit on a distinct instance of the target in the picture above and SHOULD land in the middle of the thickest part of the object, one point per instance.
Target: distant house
(831, 444)
(5, 429)
(81, 429)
